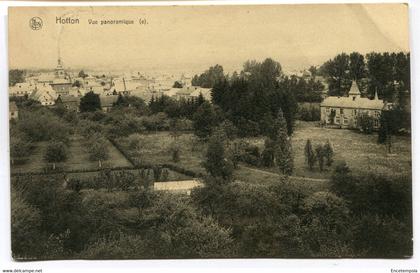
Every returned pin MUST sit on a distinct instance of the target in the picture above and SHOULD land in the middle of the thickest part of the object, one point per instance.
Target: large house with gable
(44, 94)
(345, 112)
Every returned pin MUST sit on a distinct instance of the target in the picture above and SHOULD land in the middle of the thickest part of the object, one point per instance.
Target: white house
(44, 94)
(344, 112)
(21, 89)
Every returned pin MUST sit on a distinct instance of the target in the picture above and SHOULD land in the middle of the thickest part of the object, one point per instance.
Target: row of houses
(48, 87)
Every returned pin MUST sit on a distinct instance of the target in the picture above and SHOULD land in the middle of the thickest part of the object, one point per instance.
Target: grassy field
(156, 150)
(360, 151)
(78, 158)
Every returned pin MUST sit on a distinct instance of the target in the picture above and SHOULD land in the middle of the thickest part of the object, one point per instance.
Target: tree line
(386, 73)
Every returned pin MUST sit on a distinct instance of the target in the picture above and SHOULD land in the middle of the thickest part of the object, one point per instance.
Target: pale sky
(191, 38)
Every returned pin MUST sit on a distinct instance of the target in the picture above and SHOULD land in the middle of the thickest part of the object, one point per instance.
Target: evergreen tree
(310, 156)
(328, 152)
(217, 164)
(267, 155)
(204, 120)
(386, 129)
(283, 147)
(320, 156)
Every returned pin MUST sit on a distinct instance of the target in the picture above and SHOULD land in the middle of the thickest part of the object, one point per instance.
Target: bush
(370, 193)
(366, 123)
(26, 221)
(42, 125)
(251, 155)
(382, 237)
(309, 112)
(175, 153)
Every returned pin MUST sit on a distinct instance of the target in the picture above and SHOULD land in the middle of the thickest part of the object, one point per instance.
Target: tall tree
(56, 152)
(217, 164)
(283, 148)
(98, 149)
(337, 72)
(386, 129)
(267, 156)
(19, 147)
(357, 66)
(328, 152)
(310, 156)
(402, 70)
(210, 77)
(381, 75)
(204, 120)
(320, 155)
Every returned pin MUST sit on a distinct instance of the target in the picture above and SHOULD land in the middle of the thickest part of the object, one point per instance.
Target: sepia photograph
(210, 132)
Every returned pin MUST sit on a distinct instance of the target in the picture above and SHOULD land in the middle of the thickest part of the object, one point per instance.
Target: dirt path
(292, 177)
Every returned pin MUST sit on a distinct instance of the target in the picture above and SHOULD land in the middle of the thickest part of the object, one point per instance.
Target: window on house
(341, 111)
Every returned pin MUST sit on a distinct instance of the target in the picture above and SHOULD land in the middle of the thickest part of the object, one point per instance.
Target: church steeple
(59, 70)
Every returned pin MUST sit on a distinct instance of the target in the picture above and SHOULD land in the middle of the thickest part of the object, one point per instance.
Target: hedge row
(58, 170)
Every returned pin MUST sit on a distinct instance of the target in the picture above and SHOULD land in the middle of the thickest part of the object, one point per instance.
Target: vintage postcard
(224, 131)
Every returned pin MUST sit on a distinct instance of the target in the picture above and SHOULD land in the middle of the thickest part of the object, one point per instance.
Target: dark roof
(69, 98)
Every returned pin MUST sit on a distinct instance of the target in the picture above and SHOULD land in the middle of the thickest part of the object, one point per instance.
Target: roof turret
(354, 90)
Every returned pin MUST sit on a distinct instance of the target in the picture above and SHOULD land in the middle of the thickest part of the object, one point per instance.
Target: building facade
(346, 112)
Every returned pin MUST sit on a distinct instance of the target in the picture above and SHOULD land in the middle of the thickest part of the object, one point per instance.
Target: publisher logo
(35, 23)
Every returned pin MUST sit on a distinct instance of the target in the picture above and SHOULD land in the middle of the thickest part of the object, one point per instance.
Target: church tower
(59, 70)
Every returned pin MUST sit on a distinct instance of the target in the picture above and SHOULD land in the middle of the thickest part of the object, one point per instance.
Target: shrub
(251, 155)
(309, 112)
(365, 123)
